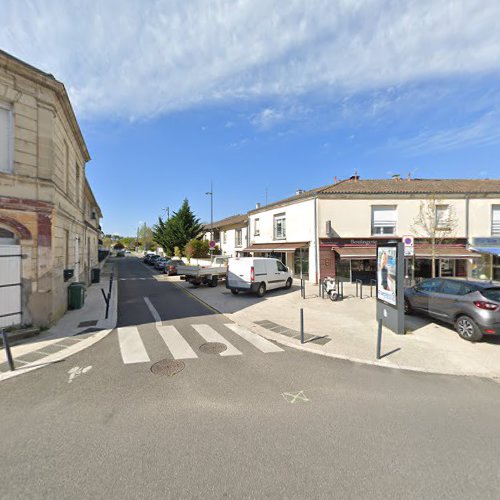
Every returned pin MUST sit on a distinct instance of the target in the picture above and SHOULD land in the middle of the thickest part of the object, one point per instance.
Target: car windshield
(492, 293)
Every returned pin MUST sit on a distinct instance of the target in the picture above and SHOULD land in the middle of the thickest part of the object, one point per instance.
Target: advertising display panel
(386, 274)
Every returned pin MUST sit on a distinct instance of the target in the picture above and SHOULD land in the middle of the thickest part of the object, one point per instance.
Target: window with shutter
(495, 220)
(384, 219)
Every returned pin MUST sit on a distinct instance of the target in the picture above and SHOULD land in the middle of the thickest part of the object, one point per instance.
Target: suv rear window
(491, 294)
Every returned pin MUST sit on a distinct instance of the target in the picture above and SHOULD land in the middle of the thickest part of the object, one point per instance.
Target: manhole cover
(168, 367)
(213, 347)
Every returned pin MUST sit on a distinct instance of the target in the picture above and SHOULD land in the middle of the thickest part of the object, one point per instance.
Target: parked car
(160, 263)
(257, 275)
(171, 266)
(153, 259)
(473, 307)
(147, 258)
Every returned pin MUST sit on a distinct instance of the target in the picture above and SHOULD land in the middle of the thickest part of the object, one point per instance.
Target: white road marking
(254, 339)
(131, 346)
(153, 311)
(77, 371)
(176, 343)
(210, 335)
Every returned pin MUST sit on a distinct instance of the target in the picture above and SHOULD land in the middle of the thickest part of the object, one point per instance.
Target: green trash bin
(76, 295)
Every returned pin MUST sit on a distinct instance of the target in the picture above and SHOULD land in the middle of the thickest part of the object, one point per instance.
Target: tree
(118, 246)
(145, 234)
(197, 249)
(182, 227)
(435, 223)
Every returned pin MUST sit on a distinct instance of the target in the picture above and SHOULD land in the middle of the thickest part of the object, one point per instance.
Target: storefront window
(301, 263)
(481, 267)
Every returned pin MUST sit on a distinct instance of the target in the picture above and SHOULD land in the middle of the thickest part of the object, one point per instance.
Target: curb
(107, 326)
(384, 364)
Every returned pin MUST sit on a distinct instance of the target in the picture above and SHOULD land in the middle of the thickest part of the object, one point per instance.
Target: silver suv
(473, 307)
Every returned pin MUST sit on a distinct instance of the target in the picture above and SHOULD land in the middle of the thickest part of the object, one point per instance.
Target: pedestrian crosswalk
(133, 348)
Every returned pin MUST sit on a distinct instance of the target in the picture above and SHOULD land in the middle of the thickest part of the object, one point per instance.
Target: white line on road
(176, 343)
(131, 346)
(210, 335)
(254, 339)
(153, 311)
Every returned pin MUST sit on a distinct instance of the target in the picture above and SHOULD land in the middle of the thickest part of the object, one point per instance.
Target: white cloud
(137, 59)
(483, 131)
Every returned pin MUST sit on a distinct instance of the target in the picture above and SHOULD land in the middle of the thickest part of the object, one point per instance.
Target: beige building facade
(46, 203)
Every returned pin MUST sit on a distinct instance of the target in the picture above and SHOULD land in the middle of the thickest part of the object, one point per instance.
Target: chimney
(257, 205)
(355, 177)
(408, 177)
(396, 177)
(335, 180)
(299, 191)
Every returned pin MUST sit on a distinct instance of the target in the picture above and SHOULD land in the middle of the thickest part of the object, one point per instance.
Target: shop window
(495, 220)
(5, 138)
(384, 219)
(224, 237)
(280, 227)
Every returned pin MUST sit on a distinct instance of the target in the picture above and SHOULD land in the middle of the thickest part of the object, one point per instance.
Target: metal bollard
(379, 338)
(7, 350)
(301, 325)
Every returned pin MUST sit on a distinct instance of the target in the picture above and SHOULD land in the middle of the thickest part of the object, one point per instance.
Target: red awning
(276, 247)
(421, 251)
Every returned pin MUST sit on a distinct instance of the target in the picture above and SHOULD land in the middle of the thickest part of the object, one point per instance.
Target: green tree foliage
(118, 246)
(197, 249)
(182, 227)
(146, 237)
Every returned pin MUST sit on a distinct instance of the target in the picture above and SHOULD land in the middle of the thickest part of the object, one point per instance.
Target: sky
(264, 97)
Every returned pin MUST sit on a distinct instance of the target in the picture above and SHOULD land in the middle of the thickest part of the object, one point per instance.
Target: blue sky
(261, 94)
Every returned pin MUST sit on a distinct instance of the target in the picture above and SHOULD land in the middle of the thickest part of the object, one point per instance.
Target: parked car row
(165, 264)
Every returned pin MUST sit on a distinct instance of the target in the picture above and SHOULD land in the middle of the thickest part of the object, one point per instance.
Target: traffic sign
(212, 244)
(409, 242)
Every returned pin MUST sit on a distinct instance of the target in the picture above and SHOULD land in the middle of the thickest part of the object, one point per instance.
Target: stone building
(46, 203)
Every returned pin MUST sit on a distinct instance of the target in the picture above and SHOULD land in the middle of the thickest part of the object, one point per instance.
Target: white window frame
(495, 220)
(10, 139)
(387, 227)
(256, 227)
(238, 238)
(445, 222)
(282, 234)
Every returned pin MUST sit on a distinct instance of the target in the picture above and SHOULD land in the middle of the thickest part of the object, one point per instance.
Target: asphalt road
(222, 427)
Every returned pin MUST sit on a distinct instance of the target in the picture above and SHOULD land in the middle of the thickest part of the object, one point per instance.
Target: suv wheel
(261, 290)
(467, 329)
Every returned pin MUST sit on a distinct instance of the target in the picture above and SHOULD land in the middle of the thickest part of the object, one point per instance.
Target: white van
(257, 274)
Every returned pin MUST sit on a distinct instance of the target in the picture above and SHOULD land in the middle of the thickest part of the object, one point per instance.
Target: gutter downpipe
(316, 238)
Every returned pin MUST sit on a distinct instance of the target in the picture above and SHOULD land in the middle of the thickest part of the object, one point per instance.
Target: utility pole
(211, 193)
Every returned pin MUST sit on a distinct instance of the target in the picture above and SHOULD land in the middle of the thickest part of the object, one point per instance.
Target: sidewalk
(75, 331)
(348, 330)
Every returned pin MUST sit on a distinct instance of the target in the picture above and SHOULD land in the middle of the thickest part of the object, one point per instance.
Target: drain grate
(168, 367)
(213, 348)
(87, 323)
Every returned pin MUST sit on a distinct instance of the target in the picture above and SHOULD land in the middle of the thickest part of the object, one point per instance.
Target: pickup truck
(207, 275)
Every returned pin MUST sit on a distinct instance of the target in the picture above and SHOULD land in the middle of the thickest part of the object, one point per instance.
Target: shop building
(230, 234)
(355, 215)
(49, 217)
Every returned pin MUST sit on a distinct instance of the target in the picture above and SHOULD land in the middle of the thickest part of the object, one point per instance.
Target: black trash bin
(95, 276)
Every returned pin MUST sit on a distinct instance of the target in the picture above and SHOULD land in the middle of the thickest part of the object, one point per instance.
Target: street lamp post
(211, 193)
(137, 239)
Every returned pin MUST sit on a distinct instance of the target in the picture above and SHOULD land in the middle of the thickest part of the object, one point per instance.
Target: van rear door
(238, 273)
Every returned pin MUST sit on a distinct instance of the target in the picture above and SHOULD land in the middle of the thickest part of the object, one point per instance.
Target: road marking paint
(256, 340)
(210, 335)
(131, 346)
(294, 398)
(76, 371)
(176, 343)
(153, 311)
